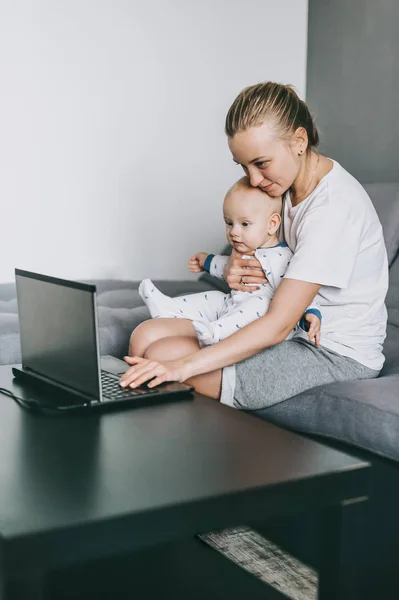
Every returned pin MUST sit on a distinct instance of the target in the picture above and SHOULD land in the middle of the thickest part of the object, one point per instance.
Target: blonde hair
(274, 203)
(273, 102)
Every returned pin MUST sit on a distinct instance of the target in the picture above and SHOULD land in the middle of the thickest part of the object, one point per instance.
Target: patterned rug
(265, 560)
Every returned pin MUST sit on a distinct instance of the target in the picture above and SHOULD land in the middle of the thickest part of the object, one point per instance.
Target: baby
(252, 221)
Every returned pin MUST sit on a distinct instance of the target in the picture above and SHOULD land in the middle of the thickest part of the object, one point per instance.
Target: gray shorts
(285, 370)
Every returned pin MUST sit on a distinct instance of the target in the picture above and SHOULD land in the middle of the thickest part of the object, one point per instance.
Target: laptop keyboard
(111, 388)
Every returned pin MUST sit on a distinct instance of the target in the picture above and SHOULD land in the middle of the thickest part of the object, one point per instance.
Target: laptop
(60, 350)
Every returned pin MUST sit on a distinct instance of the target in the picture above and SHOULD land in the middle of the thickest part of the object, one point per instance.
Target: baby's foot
(159, 305)
(205, 333)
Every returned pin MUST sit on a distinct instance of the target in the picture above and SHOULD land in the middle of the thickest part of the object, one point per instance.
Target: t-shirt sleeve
(327, 247)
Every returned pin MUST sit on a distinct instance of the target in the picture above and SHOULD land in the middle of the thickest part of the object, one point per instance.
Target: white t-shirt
(337, 241)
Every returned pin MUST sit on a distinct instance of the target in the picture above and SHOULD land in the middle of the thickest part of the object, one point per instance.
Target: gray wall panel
(353, 84)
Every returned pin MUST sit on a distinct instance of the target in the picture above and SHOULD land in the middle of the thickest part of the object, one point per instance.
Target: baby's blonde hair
(275, 204)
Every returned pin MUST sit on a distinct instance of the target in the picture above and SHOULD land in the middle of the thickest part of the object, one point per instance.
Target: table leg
(339, 565)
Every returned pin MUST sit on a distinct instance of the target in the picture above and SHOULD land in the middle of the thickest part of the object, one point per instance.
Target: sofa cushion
(392, 299)
(363, 413)
(10, 349)
(385, 197)
(116, 326)
(120, 310)
(391, 352)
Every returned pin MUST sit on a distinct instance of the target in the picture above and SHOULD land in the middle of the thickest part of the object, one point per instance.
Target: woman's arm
(285, 310)
(287, 307)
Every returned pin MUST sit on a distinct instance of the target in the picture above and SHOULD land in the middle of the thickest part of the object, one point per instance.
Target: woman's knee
(140, 339)
(171, 348)
(153, 330)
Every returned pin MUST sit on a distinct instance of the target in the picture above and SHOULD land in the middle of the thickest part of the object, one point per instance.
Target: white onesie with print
(216, 315)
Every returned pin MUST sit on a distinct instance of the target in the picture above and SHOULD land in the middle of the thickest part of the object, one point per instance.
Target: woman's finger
(250, 263)
(147, 375)
(127, 377)
(255, 280)
(133, 360)
(238, 273)
(135, 372)
(158, 380)
(237, 283)
(258, 273)
(144, 373)
(244, 288)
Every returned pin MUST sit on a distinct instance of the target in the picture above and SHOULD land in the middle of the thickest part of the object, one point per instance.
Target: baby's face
(246, 214)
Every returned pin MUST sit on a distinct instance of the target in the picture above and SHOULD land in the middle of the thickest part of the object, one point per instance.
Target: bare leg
(173, 348)
(150, 331)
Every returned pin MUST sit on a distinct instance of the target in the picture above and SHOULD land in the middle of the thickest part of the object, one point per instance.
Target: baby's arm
(212, 263)
(311, 322)
(312, 309)
(196, 262)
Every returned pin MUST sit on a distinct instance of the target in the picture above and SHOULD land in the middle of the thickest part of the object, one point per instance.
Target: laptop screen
(58, 330)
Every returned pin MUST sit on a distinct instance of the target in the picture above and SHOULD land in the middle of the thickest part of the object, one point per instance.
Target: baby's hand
(196, 262)
(314, 328)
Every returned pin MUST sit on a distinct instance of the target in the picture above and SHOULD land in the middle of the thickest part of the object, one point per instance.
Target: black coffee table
(76, 489)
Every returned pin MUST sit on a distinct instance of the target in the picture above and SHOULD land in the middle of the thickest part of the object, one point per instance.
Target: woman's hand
(143, 370)
(240, 270)
(196, 262)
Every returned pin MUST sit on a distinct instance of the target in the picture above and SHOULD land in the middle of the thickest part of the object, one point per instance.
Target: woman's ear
(300, 141)
(274, 223)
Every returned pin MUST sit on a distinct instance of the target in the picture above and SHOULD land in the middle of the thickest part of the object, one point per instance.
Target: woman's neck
(307, 178)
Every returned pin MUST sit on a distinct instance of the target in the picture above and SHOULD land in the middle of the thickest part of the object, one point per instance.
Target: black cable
(31, 404)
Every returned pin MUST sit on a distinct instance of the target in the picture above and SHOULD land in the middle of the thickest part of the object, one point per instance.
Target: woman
(331, 226)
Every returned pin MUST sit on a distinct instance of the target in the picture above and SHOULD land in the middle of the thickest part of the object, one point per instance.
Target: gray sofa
(359, 416)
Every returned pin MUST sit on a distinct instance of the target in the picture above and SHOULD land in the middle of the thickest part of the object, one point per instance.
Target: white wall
(113, 160)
